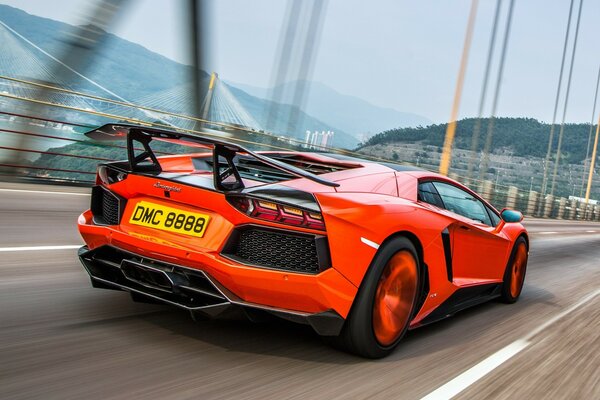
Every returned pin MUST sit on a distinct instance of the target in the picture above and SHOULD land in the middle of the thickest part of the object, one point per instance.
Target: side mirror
(511, 215)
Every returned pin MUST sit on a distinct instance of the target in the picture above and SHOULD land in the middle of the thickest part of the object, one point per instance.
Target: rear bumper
(191, 289)
(279, 289)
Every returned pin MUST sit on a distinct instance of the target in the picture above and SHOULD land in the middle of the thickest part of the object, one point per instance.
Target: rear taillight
(276, 212)
(106, 175)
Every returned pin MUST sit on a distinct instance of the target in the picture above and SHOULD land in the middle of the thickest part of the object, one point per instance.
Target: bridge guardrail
(53, 165)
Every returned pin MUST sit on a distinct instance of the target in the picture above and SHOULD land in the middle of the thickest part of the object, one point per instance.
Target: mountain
(351, 114)
(129, 70)
(259, 107)
(523, 137)
(123, 67)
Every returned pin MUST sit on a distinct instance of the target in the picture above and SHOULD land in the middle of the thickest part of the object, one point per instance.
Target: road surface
(61, 339)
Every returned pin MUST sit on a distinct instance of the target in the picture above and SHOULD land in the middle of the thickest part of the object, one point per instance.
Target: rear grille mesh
(106, 206)
(110, 209)
(277, 250)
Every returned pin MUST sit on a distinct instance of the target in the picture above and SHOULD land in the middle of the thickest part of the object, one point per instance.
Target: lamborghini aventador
(359, 250)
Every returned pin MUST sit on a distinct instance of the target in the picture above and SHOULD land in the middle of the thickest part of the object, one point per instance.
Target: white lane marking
(591, 231)
(478, 371)
(369, 243)
(40, 248)
(589, 297)
(43, 192)
(546, 233)
(473, 374)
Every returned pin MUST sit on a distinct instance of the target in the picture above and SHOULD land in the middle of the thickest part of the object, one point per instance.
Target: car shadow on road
(471, 326)
(233, 332)
(280, 338)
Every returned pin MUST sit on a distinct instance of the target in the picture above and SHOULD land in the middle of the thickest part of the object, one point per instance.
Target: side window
(429, 194)
(462, 203)
(494, 217)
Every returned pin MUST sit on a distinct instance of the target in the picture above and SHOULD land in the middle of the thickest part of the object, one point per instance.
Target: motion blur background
(374, 80)
(505, 91)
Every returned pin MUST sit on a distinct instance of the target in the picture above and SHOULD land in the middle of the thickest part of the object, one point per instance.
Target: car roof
(394, 166)
(411, 172)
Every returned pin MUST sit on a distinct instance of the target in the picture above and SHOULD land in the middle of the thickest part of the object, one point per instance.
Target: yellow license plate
(169, 219)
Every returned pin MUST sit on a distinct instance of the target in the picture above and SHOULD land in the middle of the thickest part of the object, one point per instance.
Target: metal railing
(58, 165)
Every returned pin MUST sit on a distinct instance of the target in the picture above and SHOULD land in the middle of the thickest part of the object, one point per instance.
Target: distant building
(582, 200)
(318, 140)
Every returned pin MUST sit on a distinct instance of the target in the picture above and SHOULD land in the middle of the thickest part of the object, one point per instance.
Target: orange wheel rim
(394, 297)
(518, 270)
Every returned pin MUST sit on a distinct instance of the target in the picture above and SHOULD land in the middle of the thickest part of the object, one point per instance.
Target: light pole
(531, 184)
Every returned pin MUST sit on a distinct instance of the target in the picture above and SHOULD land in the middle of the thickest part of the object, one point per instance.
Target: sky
(399, 54)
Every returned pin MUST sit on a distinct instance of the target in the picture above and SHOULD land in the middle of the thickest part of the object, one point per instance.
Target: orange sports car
(359, 250)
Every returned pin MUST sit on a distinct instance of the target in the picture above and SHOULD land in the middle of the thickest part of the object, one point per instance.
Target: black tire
(358, 335)
(507, 295)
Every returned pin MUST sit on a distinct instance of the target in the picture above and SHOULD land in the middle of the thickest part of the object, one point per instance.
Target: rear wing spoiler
(224, 152)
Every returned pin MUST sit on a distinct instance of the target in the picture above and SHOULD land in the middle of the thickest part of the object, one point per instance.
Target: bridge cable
(490, 128)
(591, 172)
(196, 38)
(556, 101)
(311, 40)
(477, 127)
(89, 37)
(562, 125)
(451, 128)
(149, 109)
(282, 63)
(587, 151)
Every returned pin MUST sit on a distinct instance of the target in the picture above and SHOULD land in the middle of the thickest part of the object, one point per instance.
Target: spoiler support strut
(223, 153)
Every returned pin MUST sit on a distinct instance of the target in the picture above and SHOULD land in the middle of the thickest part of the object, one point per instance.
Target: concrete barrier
(573, 210)
(511, 197)
(532, 203)
(562, 204)
(589, 212)
(548, 204)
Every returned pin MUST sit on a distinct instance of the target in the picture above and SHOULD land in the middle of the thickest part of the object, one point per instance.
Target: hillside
(523, 137)
(126, 68)
(517, 157)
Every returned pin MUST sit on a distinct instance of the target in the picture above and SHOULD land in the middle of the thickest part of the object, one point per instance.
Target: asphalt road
(61, 339)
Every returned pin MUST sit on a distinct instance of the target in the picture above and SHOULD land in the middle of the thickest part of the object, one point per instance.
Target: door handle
(466, 228)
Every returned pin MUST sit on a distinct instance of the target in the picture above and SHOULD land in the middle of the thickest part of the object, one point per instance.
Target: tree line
(524, 137)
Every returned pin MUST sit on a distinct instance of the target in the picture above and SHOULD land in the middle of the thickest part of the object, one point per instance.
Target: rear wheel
(385, 302)
(514, 276)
